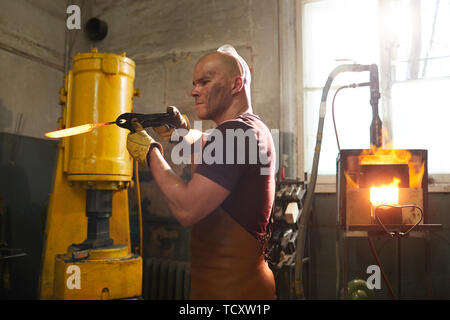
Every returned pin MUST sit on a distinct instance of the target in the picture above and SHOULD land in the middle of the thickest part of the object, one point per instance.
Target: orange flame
(388, 155)
(416, 175)
(385, 194)
(75, 130)
(384, 156)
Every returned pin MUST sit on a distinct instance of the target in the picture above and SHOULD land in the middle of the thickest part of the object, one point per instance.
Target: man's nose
(195, 92)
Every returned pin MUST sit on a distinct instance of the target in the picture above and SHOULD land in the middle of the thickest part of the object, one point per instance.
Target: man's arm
(189, 202)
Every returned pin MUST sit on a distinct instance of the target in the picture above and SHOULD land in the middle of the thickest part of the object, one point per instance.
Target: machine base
(107, 273)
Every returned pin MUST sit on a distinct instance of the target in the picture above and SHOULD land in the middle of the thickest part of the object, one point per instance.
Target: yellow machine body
(99, 88)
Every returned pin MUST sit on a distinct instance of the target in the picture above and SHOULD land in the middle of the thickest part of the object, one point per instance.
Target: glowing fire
(385, 194)
(395, 156)
(388, 155)
(380, 156)
(75, 130)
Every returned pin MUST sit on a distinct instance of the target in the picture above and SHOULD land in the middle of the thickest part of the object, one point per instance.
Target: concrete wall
(31, 64)
(166, 38)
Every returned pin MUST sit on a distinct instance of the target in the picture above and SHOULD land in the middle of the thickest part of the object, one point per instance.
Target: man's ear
(238, 85)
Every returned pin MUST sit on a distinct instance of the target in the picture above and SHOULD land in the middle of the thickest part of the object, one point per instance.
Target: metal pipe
(376, 132)
(376, 128)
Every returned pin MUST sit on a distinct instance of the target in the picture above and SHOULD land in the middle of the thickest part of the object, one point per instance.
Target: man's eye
(204, 82)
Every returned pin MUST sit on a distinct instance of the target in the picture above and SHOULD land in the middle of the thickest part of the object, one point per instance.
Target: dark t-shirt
(240, 156)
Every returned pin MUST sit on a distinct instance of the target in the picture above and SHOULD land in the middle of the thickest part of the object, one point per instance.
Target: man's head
(219, 83)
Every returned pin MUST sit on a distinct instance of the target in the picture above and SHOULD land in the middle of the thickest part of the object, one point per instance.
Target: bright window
(410, 43)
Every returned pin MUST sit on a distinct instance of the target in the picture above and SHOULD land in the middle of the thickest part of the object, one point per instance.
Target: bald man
(228, 201)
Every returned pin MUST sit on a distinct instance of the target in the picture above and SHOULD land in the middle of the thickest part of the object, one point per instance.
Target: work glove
(139, 142)
(164, 132)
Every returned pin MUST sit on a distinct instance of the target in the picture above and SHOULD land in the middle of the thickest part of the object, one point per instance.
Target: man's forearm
(172, 186)
(183, 198)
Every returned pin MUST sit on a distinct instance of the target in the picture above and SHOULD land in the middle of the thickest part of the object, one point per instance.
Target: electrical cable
(138, 192)
(354, 85)
(339, 151)
(391, 234)
(381, 269)
(338, 284)
(401, 234)
(334, 119)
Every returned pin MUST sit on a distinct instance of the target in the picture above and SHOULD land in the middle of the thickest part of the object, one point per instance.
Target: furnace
(377, 187)
(380, 191)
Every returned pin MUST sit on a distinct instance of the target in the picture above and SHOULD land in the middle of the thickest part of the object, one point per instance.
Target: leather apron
(227, 262)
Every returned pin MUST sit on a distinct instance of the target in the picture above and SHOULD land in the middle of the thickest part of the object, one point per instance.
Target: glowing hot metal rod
(169, 119)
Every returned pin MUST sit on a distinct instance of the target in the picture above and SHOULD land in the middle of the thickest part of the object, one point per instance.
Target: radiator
(165, 279)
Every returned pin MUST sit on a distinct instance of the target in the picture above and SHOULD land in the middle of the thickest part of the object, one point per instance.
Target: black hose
(304, 217)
